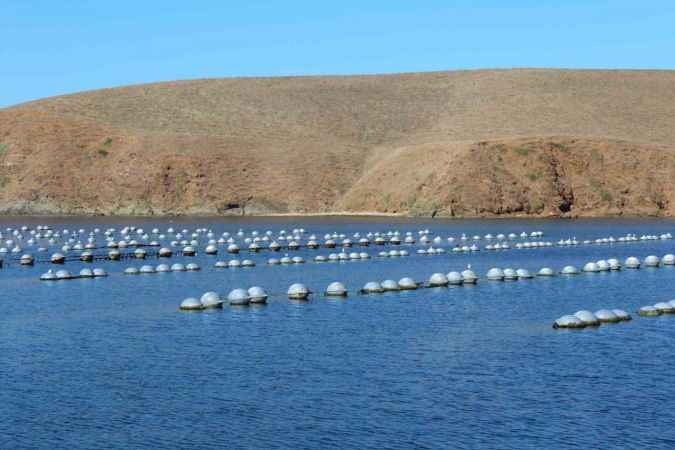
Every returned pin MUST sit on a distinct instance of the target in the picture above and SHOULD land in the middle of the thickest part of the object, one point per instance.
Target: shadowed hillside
(464, 144)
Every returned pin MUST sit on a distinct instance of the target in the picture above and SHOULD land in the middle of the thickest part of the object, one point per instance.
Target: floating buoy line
(80, 245)
(134, 243)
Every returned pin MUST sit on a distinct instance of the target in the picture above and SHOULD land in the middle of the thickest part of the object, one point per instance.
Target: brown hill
(469, 143)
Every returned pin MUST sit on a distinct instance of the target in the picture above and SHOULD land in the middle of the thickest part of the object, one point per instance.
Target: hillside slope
(530, 142)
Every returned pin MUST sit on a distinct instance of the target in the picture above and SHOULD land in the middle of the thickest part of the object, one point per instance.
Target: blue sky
(60, 46)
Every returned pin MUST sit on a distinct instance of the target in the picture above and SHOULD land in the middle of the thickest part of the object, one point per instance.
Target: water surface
(112, 363)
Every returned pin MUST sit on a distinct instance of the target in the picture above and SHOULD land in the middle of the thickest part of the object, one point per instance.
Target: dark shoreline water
(112, 363)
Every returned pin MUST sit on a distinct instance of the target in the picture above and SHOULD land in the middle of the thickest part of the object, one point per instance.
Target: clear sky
(52, 47)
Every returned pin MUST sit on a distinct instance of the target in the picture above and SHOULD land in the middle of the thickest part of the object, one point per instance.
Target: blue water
(112, 363)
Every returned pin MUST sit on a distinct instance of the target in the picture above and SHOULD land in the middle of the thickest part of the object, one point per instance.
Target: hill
(530, 142)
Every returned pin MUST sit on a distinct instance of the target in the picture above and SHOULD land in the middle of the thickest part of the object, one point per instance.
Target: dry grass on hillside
(468, 143)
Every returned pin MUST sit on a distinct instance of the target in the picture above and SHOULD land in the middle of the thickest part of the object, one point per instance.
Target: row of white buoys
(51, 275)
(613, 264)
(234, 264)
(132, 236)
(497, 274)
(343, 257)
(582, 319)
(210, 300)
(147, 269)
(393, 253)
(461, 249)
(404, 284)
(609, 240)
(236, 297)
(534, 244)
(286, 260)
(658, 309)
(257, 295)
(650, 261)
(407, 283)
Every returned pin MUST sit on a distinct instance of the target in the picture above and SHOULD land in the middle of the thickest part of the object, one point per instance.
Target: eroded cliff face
(458, 144)
(540, 177)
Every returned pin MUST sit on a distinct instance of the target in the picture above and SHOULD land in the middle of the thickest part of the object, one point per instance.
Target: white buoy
(587, 317)
(648, 311)
(632, 263)
(98, 273)
(568, 321)
(192, 267)
(238, 297)
(26, 260)
(48, 276)
(614, 264)
(178, 267)
(407, 284)
(58, 258)
(546, 272)
(668, 260)
(495, 274)
(189, 251)
(469, 276)
(211, 300)
(211, 249)
(298, 291)
(372, 287)
(603, 266)
(652, 261)
(438, 279)
(590, 267)
(510, 274)
(390, 285)
(162, 268)
(131, 271)
(257, 295)
(147, 269)
(523, 274)
(86, 273)
(191, 304)
(164, 252)
(606, 316)
(454, 278)
(665, 308)
(570, 270)
(621, 314)
(336, 289)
